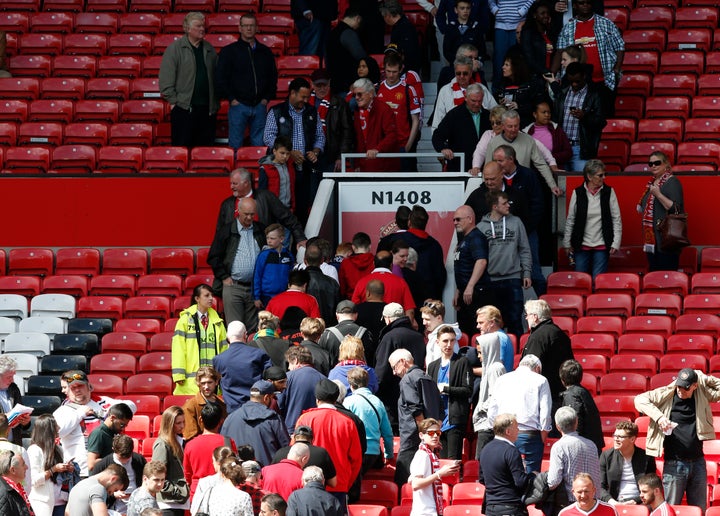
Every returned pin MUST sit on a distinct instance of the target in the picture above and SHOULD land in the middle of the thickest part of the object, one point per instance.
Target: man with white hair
(9, 397)
(572, 454)
(375, 129)
(240, 366)
(526, 393)
(312, 499)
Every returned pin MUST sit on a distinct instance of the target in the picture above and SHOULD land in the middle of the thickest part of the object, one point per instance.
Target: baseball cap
(346, 307)
(263, 387)
(686, 377)
(393, 310)
(319, 76)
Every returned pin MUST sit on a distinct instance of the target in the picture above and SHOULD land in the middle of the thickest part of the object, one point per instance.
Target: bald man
(232, 257)
(472, 282)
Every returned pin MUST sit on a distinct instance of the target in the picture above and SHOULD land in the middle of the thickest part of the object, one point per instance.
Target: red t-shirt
(585, 36)
(285, 300)
(394, 97)
(396, 289)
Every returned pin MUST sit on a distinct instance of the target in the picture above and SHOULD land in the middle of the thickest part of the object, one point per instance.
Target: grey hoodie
(509, 252)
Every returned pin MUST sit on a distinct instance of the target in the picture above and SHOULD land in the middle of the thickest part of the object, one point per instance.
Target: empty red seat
(60, 22)
(712, 62)
(688, 343)
(147, 327)
(31, 66)
(162, 41)
(151, 67)
(85, 44)
(168, 160)
(702, 303)
(16, 22)
(120, 159)
(132, 134)
(620, 129)
(614, 152)
(617, 282)
(223, 22)
(27, 160)
(40, 44)
(119, 66)
(629, 106)
(570, 282)
(132, 343)
(710, 259)
(220, 41)
(702, 129)
(100, 23)
(158, 361)
(596, 365)
(159, 285)
(651, 18)
(639, 151)
(30, 261)
(107, 384)
(601, 324)
(642, 364)
(142, 111)
(672, 363)
(278, 43)
(147, 405)
(623, 383)
(86, 133)
(594, 343)
(665, 107)
(708, 84)
(641, 61)
(103, 307)
(149, 383)
(668, 282)
(97, 111)
(40, 133)
(571, 305)
(71, 285)
(645, 39)
(112, 362)
(146, 23)
(147, 306)
(125, 261)
(682, 39)
(699, 152)
(609, 304)
(658, 324)
(641, 343)
(73, 159)
(211, 160)
(662, 379)
(8, 134)
(205, 6)
(705, 283)
(161, 341)
(13, 111)
(77, 260)
(112, 285)
(108, 88)
(657, 128)
(172, 260)
(271, 23)
(657, 303)
(698, 323)
(21, 285)
(146, 88)
(64, 5)
(686, 61)
(130, 44)
(50, 110)
(618, 405)
(696, 17)
(153, 6)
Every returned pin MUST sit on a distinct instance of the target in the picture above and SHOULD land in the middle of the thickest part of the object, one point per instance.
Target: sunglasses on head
(70, 378)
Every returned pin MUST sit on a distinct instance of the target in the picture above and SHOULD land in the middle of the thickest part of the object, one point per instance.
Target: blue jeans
(510, 300)
(504, 39)
(238, 118)
(593, 262)
(689, 477)
(576, 164)
(538, 280)
(531, 446)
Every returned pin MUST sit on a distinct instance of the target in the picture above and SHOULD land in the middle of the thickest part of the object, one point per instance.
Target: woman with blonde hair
(173, 499)
(352, 354)
(268, 338)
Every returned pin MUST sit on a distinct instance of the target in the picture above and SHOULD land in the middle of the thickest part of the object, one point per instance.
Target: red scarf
(364, 115)
(322, 106)
(352, 362)
(458, 93)
(19, 488)
(648, 213)
(437, 483)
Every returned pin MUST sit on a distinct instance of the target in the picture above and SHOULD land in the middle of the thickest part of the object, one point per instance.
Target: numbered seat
(105, 307)
(705, 283)
(701, 303)
(149, 383)
(132, 343)
(671, 363)
(101, 111)
(642, 364)
(123, 159)
(571, 305)
(114, 362)
(107, 384)
(50, 110)
(623, 383)
(594, 343)
(662, 325)
(618, 283)
(610, 324)
(125, 261)
(655, 303)
(609, 304)
(74, 159)
(112, 285)
(22, 285)
(569, 282)
(649, 344)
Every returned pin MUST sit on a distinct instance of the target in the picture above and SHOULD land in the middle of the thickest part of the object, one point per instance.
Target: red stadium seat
(27, 160)
(670, 363)
(142, 111)
(642, 364)
(641, 61)
(297, 66)
(700, 153)
(651, 18)
(167, 160)
(202, 266)
(50, 111)
(639, 151)
(97, 23)
(107, 384)
(571, 305)
(30, 261)
(8, 134)
(628, 106)
(116, 363)
(601, 324)
(658, 324)
(275, 6)
(697, 344)
(707, 129)
(240, 6)
(702, 304)
(614, 152)
(668, 282)
(223, 22)
(172, 260)
(149, 383)
(104, 307)
(609, 304)
(125, 261)
(170, 324)
(161, 42)
(219, 41)
(97, 111)
(86, 133)
(600, 343)
(636, 84)
(142, 23)
(618, 16)
(119, 66)
(120, 159)
(620, 129)
(194, 280)
(147, 405)
(211, 160)
(688, 38)
(569, 282)
(662, 379)
(130, 45)
(159, 285)
(158, 361)
(138, 427)
(664, 107)
(271, 23)
(468, 493)
(85, 44)
(596, 365)
(40, 133)
(686, 61)
(657, 128)
(278, 44)
(27, 286)
(40, 44)
(705, 283)
(367, 510)
(714, 367)
(658, 303)
(113, 6)
(161, 341)
(75, 286)
(152, 6)
(15, 22)
(31, 66)
(73, 159)
(147, 327)
(13, 111)
(648, 344)
(648, 39)
(132, 134)
(710, 259)
(205, 6)
(623, 383)
(617, 405)
(174, 400)
(147, 307)
(49, 22)
(698, 323)
(617, 282)
(708, 85)
(108, 88)
(64, 5)
(146, 88)
(712, 62)
(131, 343)
(151, 67)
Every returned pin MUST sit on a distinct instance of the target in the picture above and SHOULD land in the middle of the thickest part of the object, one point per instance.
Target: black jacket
(611, 467)
(342, 60)
(457, 132)
(285, 124)
(245, 74)
(405, 36)
(13, 392)
(323, 10)
(269, 210)
(552, 346)
(224, 247)
(321, 358)
(340, 131)
(327, 292)
(11, 502)
(589, 426)
(313, 500)
(460, 388)
(519, 204)
(592, 123)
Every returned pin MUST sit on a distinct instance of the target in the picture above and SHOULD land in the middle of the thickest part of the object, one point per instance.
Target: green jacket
(177, 73)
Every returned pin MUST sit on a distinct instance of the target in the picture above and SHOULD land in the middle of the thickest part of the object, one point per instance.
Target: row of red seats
(127, 44)
(82, 159)
(152, 6)
(674, 39)
(670, 83)
(664, 17)
(672, 61)
(665, 106)
(618, 154)
(118, 260)
(676, 130)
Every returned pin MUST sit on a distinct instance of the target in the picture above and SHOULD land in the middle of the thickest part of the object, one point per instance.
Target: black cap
(686, 377)
(327, 391)
(320, 76)
(274, 373)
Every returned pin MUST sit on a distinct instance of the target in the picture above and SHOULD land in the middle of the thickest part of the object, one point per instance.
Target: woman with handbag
(662, 197)
(593, 228)
(173, 499)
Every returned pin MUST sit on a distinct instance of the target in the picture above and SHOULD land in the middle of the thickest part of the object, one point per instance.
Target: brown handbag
(673, 232)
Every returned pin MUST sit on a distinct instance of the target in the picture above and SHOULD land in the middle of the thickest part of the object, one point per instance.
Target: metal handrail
(345, 155)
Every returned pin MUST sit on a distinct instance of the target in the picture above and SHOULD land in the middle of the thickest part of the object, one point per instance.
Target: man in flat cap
(680, 419)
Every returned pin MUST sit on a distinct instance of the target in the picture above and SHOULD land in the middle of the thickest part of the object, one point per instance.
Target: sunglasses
(462, 73)
(70, 378)
(655, 163)
(434, 433)
(431, 304)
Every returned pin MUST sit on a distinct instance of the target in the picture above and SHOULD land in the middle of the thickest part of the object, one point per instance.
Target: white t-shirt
(423, 499)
